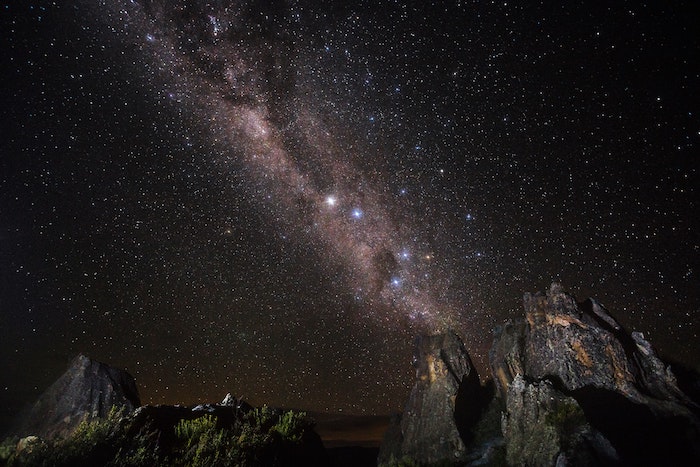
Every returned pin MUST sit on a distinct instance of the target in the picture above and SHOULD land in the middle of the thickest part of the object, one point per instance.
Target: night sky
(273, 198)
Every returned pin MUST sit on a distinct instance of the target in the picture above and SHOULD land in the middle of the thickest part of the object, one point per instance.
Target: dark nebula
(272, 198)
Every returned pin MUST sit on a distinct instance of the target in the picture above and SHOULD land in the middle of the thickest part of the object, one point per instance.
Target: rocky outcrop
(87, 390)
(570, 358)
(579, 345)
(542, 426)
(438, 409)
(390, 448)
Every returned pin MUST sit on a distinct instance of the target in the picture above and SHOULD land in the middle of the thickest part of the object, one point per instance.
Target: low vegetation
(567, 417)
(262, 436)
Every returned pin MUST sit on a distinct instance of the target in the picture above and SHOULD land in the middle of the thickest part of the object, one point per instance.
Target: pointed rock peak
(88, 389)
(446, 382)
(555, 289)
(595, 310)
(228, 401)
(437, 352)
(566, 352)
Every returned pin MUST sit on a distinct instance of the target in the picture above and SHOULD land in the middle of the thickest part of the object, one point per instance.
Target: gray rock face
(576, 356)
(87, 390)
(541, 426)
(579, 346)
(530, 438)
(566, 342)
(429, 429)
(390, 450)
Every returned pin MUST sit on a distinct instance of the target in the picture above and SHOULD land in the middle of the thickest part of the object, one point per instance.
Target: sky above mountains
(272, 198)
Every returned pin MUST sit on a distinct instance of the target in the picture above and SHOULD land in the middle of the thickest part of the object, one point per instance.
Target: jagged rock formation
(438, 407)
(542, 426)
(590, 391)
(582, 346)
(572, 388)
(88, 389)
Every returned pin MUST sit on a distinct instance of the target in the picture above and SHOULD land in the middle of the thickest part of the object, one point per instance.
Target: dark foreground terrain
(568, 386)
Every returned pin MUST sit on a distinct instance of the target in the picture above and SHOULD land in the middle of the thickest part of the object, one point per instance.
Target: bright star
(331, 201)
(357, 213)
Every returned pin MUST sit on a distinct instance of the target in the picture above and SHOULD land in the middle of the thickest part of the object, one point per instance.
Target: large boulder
(87, 390)
(438, 410)
(569, 354)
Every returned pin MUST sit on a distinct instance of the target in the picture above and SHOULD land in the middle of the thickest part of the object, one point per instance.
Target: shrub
(192, 430)
(93, 443)
(261, 437)
(139, 451)
(292, 426)
(262, 419)
(567, 417)
(7, 448)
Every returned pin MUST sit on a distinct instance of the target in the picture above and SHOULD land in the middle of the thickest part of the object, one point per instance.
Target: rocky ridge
(87, 390)
(571, 387)
(616, 401)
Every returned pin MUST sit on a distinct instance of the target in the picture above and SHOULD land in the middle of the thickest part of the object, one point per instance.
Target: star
(329, 174)
(331, 201)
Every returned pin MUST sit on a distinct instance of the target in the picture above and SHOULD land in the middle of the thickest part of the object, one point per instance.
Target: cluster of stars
(275, 200)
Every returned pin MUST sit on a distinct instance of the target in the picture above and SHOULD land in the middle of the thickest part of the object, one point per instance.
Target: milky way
(243, 83)
(273, 198)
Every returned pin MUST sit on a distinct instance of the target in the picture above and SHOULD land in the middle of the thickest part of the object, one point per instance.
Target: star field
(272, 198)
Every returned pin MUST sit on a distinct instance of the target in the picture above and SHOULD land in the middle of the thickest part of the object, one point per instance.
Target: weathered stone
(436, 409)
(27, 443)
(390, 450)
(228, 400)
(578, 351)
(506, 355)
(541, 426)
(87, 390)
(579, 346)
(575, 389)
(655, 377)
(560, 344)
